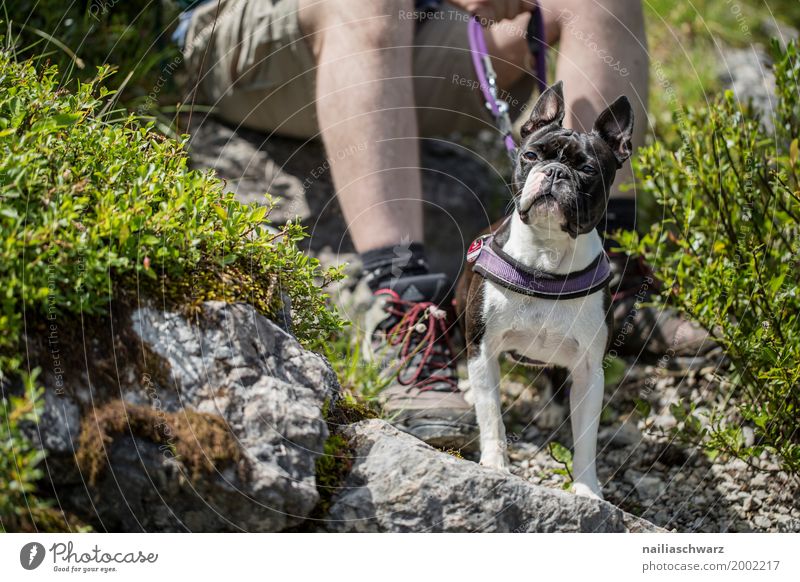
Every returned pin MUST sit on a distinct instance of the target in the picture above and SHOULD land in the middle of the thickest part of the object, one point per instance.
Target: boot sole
(442, 434)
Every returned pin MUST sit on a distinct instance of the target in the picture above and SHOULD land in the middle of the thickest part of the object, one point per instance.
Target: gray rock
(749, 436)
(748, 73)
(783, 32)
(661, 517)
(648, 488)
(230, 362)
(762, 521)
(400, 484)
(59, 424)
(665, 421)
(760, 480)
(622, 435)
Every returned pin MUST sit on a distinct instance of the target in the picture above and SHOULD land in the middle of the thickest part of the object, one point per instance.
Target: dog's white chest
(551, 331)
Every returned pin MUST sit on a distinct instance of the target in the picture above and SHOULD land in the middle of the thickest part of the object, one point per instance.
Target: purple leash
(487, 78)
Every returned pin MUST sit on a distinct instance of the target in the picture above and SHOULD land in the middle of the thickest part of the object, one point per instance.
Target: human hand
(494, 10)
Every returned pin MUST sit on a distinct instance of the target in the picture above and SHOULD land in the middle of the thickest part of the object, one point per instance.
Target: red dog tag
(474, 250)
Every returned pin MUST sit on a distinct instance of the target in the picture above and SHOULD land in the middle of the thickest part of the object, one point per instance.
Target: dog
(536, 285)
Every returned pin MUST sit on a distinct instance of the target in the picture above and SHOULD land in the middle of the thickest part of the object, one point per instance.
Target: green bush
(92, 212)
(85, 205)
(727, 250)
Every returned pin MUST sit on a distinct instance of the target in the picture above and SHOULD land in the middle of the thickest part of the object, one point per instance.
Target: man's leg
(601, 53)
(365, 105)
(365, 96)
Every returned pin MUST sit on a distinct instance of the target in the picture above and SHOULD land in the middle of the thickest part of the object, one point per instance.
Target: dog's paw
(551, 416)
(498, 462)
(585, 491)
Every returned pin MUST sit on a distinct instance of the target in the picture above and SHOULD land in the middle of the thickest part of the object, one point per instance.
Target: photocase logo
(31, 555)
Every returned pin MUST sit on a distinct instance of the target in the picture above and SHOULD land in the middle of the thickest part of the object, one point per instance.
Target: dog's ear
(615, 127)
(549, 109)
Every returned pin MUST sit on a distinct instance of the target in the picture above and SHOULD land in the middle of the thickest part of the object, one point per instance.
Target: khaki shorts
(259, 72)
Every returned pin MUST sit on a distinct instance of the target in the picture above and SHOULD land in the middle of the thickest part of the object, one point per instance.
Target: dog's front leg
(586, 403)
(484, 379)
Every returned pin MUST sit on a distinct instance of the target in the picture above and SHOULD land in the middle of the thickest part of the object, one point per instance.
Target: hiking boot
(648, 331)
(408, 334)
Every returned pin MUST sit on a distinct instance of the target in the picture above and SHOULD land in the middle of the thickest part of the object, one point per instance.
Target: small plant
(563, 455)
(361, 379)
(728, 252)
(452, 452)
(332, 466)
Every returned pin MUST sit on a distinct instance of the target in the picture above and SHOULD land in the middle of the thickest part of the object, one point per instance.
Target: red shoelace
(421, 329)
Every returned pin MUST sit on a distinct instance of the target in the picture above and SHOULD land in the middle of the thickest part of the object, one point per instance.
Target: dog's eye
(530, 156)
(587, 169)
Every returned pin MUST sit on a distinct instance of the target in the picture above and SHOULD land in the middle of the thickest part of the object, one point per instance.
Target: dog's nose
(559, 173)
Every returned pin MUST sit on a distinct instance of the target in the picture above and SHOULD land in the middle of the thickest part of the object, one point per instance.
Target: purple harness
(492, 263)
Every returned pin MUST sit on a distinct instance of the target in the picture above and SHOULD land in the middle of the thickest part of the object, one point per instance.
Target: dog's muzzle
(538, 193)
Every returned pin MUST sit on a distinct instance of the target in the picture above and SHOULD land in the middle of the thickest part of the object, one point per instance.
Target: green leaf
(615, 369)
(678, 412)
(66, 119)
(560, 453)
(643, 407)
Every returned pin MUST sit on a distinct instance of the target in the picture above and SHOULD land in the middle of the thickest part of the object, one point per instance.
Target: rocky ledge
(400, 484)
(218, 422)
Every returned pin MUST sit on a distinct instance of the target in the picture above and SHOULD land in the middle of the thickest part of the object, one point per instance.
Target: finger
(485, 12)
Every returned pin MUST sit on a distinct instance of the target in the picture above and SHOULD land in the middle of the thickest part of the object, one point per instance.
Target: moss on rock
(201, 442)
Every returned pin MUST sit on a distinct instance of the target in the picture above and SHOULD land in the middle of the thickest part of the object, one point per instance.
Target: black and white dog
(542, 290)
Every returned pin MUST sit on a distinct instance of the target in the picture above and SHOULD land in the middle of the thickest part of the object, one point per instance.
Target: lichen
(453, 452)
